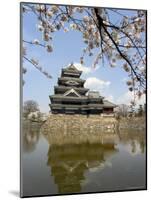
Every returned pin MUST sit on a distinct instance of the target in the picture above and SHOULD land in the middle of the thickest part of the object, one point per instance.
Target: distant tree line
(124, 110)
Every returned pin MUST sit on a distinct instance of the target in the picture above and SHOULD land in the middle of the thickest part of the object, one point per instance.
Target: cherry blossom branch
(35, 64)
(36, 42)
(100, 22)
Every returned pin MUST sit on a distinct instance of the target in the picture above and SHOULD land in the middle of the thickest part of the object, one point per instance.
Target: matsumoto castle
(70, 96)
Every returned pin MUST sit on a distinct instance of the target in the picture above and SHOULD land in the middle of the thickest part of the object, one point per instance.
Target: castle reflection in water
(71, 154)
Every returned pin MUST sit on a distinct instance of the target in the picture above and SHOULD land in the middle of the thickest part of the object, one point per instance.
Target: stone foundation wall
(93, 123)
(76, 128)
(81, 121)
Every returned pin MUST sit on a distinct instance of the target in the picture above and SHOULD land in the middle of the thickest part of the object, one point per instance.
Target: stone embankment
(80, 122)
(79, 128)
(91, 124)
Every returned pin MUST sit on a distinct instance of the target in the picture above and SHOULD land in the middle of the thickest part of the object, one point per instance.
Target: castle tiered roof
(71, 97)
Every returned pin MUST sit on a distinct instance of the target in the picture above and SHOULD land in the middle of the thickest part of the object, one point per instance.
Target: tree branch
(100, 23)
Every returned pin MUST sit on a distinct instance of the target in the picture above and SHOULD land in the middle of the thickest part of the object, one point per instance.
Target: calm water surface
(54, 163)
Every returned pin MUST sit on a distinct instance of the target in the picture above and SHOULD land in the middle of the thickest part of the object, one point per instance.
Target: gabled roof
(71, 91)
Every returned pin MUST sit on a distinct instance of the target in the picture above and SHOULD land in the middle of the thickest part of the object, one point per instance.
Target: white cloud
(96, 84)
(127, 97)
(85, 69)
(110, 98)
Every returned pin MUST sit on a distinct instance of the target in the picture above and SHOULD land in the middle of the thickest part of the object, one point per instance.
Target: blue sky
(67, 48)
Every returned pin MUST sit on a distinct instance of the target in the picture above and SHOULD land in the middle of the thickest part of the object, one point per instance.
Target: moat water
(61, 164)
